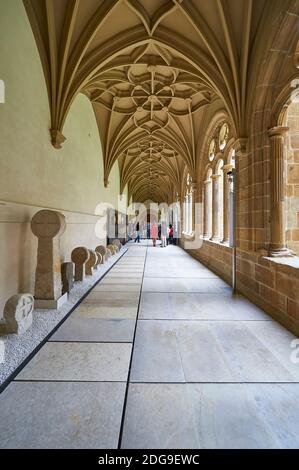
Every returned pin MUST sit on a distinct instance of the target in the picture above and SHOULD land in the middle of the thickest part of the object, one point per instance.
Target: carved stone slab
(17, 315)
(101, 249)
(91, 263)
(67, 274)
(80, 256)
(48, 226)
(112, 249)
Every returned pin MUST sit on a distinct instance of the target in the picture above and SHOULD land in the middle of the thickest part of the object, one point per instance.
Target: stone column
(196, 209)
(48, 226)
(189, 213)
(215, 207)
(207, 208)
(186, 213)
(278, 239)
(226, 170)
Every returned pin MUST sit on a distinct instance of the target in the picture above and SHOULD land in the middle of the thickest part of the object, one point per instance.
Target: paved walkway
(207, 370)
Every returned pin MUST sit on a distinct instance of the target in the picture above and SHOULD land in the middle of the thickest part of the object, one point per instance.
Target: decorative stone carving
(17, 317)
(80, 256)
(57, 138)
(67, 274)
(101, 249)
(91, 263)
(48, 226)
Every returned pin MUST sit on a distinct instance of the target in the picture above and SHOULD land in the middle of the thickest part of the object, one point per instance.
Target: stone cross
(102, 251)
(48, 226)
(67, 274)
(17, 316)
(80, 256)
(91, 263)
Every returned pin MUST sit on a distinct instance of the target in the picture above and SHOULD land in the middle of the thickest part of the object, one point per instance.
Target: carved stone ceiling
(151, 69)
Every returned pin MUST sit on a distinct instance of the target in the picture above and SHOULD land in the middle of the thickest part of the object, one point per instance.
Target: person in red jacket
(154, 233)
(170, 235)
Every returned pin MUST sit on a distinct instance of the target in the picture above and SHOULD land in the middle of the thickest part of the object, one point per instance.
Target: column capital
(228, 167)
(215, 177)
(277, 131)
(206, 182)
(195, 186)
(241, 146)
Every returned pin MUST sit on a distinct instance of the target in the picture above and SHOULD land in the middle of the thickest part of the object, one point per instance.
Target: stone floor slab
(107, 294)
(79, 362)
(95, 330)
(205, 352)
(95, 310)
(212, 416)
(61, 415)
(208, 286)
(195, 306)
(120, 287)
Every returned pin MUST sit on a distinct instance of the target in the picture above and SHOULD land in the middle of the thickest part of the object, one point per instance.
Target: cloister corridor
(158, 355)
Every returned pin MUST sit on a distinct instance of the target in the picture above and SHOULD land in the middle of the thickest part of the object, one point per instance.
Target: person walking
(137, 239)
(170, 235)
(154, 233)
(163, 234)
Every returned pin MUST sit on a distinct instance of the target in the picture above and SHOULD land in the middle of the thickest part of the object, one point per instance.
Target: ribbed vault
(150, 68)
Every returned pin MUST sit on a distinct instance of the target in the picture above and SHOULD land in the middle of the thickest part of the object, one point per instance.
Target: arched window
(219, 205)
(208, 204)
(292, 175)
(188, 207)
(223, 136)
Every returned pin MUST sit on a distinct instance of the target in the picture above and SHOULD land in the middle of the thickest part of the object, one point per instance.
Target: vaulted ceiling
(151, 68)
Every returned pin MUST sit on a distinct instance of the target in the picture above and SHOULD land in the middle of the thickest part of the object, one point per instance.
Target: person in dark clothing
(137, 239)
(170, 235)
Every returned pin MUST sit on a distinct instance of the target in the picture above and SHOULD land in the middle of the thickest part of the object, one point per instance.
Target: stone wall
(271, 283)
(216, 257)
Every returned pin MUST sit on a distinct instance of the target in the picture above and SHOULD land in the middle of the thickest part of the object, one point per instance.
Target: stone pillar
(226, 170)
(278, 239)
(215, 207)
(187, 213)
(196, 209)
(207, 208)
(48, 226)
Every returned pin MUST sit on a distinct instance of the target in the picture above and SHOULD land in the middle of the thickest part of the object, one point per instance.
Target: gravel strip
(18, 348)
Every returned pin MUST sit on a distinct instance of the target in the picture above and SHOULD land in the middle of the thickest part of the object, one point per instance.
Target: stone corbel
(57, 138)
(241, 146)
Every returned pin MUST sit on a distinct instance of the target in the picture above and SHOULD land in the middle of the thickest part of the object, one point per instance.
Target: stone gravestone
(17, 315)
(99, 259)
(112, 249)
(67, 274)
(91, 263)
(48, 226)
(102, 251)
(80, 256)
(117, 243)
